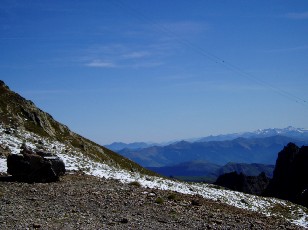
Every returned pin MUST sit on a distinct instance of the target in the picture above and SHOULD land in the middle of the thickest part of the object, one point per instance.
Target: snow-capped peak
(290, 131)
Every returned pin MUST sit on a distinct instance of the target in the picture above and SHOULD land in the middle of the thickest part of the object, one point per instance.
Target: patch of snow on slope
(75, 160)
(3, 167)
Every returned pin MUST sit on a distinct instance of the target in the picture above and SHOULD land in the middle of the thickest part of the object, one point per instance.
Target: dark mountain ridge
(253, 169)
(202, 171)
(289, 182)
(243, 183)
(290, 179)
(18, 113)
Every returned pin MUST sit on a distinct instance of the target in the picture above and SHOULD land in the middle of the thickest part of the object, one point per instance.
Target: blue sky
(159, 70)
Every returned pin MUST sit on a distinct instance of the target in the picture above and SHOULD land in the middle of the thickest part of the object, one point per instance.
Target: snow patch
(3, 167)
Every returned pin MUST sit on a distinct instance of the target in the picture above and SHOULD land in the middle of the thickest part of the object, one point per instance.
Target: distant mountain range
(296, 133)
(116, 146)
(204, 159)
(242, 150)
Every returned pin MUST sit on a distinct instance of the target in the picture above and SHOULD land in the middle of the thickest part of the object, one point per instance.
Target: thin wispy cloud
(100, 64)
(298, 15)
(123, 56)
(124, 51)
(136, 54)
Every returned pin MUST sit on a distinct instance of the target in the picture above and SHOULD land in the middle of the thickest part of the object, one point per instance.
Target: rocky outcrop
(290, 181)
(24, 113)
(4, 151)
(29, 166)
(242, 183)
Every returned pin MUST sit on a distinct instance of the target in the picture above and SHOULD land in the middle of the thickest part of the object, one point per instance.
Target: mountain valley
(103, 189)
(202, 171)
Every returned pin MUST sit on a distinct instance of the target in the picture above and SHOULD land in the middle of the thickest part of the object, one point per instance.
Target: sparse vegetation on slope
(17, 112)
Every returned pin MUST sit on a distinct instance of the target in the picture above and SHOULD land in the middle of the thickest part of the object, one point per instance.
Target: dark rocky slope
(290, 180)
(86, 202)
(242, 183)
(18, 113)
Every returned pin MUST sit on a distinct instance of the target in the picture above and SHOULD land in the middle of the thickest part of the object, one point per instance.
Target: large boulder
(290, 178)
(30, 166)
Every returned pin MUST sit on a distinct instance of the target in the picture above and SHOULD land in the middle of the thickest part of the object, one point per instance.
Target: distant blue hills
(206, 155)
(296, 133)
(242, 150)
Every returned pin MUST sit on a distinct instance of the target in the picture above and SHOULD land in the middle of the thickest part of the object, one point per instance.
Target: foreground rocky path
(85, 202)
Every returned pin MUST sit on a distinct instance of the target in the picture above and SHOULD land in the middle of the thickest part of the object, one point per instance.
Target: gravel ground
(78, 201)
